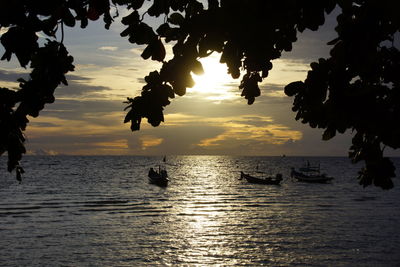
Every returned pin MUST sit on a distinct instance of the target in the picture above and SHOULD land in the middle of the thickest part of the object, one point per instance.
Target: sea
(102, 211)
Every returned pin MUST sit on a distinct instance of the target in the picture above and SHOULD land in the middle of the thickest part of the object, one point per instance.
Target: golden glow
(108, 48)
(116, 144)
(215, 83)
(240, 130)
(285, 71)
(42, 152)
(53, 126)
(179, 119)
(150, 141)
(257, 128)
(261, 129)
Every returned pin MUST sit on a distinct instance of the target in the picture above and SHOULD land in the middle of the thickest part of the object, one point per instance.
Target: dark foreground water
(101, 211)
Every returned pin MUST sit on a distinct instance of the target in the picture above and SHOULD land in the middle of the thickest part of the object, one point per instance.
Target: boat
(309, 168)
(266, 180)
(159, 177)
(310, 174)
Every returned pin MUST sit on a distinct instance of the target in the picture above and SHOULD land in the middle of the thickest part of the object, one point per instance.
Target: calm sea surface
(101, 211)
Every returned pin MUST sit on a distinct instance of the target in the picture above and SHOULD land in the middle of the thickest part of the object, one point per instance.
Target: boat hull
(311, 178)
(255, 180)
(158, 178)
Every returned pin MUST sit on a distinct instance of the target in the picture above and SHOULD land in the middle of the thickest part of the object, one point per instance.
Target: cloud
(92, 144)
(112, 145)
(73, 77)
(141, 80)
(229, 132)
(101, 111)
(42, 152)
(274, 91)
(43, 124)
(259, 129)
(311, 144)
(108, 48)
(79, 135)
(12, 76)
(150, 141)
(77, 89)
(77, 84)
(137, 51)
(177, 139)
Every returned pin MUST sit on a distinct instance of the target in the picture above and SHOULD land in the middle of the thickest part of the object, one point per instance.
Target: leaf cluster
(356, 88)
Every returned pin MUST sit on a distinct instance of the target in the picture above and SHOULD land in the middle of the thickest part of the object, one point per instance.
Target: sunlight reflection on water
(101, 211)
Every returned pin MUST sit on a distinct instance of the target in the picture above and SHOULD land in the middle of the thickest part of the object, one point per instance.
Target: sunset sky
(212, 118)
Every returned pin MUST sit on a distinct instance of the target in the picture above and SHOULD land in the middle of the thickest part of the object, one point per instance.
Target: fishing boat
(159, 177)
(308, 168)
(310, 174)
(265, 180)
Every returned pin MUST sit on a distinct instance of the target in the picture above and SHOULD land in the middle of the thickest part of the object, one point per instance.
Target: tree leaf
(176, 18)
(328, 134)
(293, 88)
(197, 67)
(158, 51)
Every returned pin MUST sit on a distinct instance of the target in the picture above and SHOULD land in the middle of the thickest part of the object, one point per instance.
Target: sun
(215, 83)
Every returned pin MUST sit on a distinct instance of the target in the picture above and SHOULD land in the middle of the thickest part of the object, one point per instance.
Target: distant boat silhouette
(159, 178)
(310, 174)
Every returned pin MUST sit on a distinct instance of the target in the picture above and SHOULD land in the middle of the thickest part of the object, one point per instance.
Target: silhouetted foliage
(356, 88)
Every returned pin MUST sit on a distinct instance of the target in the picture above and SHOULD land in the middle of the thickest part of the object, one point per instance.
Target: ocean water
(101, 211)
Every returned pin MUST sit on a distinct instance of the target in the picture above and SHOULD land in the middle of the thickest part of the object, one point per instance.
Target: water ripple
(101, 211)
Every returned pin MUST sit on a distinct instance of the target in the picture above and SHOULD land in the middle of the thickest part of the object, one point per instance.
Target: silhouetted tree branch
(356, 88)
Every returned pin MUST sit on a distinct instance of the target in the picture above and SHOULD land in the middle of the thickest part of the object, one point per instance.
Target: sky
(211, 119)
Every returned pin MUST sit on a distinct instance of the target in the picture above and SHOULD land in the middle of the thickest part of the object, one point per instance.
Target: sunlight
(215, 83)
